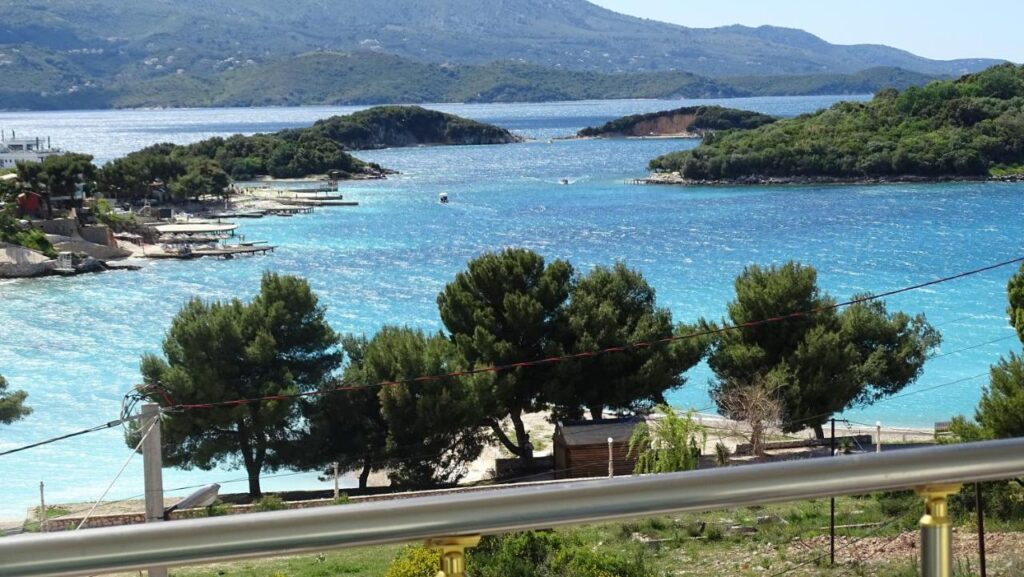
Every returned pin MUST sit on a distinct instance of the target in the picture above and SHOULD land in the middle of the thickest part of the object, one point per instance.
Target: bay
(74, 343)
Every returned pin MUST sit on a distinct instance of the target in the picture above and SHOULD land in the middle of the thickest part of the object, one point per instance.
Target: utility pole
(42, 509)
(336, 493)
(832, 515)
(152, 466)
(878, 436)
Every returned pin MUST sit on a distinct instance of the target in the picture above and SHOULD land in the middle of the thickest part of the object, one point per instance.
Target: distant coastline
(675, 178)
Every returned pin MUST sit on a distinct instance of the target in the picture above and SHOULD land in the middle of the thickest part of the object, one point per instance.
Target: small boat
(443, 198)
(564, 181)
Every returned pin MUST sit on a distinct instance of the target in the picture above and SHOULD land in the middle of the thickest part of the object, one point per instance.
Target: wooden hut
(581, 447)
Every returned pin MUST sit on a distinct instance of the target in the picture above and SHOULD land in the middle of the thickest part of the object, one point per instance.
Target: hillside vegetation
(157, 37)
(686, 120)
(58, 54)
(332, 78)
(970, 127)
(319, 149)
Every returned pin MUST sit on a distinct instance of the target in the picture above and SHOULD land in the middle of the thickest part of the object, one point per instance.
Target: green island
(294, 153)
(689, 121)
(969, 128)
(37, 197)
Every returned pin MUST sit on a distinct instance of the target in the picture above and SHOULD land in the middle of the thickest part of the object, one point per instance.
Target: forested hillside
(374, 78)
(104, 52)
(970, 127)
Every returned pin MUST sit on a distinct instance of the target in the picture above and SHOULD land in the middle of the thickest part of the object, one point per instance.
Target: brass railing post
(937, 531)
(453, 554)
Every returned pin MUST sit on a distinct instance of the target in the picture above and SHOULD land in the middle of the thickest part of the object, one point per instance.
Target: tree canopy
(821, 362)
(504, 308)
(612, 307)
(1000, 412)
(433, 426)
(279, 344)
(970, 127)
(58, 175)
(421, 434)
(12, 404)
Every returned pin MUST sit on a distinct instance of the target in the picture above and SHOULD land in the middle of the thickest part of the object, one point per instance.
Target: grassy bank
(876, 536)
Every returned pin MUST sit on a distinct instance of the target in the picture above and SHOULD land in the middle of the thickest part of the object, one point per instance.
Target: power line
(591, 354)
(104, 426)
(149, 429)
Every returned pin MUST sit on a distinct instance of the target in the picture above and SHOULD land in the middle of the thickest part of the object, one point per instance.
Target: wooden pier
(291, 210)
(317, 202)
(233, 251)
(225, 252)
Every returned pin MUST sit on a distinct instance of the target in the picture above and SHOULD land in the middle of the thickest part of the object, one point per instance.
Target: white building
(13, 150)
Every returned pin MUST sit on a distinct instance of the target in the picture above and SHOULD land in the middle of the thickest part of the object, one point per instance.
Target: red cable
(591, 354)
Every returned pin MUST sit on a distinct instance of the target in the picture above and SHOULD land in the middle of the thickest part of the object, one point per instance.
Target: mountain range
(76, 48)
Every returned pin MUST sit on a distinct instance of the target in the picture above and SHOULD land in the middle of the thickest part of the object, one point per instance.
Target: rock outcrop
(20, 262)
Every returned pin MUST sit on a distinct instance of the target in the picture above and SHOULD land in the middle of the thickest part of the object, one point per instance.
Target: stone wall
(61, 226)
(69, 523)
(99, 234)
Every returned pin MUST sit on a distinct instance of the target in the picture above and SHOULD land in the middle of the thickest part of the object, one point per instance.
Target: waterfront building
(14, 150)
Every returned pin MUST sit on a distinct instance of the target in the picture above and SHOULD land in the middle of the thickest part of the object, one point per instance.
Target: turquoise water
(74, 343)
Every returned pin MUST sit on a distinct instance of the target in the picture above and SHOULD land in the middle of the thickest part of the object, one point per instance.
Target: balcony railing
(935, 472)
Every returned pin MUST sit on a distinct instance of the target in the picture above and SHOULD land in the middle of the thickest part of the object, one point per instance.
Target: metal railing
(933, 471)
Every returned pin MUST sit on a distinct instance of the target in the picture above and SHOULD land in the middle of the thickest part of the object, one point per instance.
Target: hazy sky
(943, 29)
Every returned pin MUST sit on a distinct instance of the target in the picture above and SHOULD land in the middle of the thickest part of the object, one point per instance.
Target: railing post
(611, 458)
(937, 531)
(453, 554)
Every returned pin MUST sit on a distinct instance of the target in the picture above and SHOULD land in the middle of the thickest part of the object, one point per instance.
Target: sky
(940, 29)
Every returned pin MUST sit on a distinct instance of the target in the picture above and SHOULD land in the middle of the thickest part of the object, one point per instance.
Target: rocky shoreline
(90, 249)
(674, 178)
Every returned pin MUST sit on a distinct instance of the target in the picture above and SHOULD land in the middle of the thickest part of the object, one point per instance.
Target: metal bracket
(937, 530)
(453, 553)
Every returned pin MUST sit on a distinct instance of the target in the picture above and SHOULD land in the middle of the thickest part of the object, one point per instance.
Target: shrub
(583, 561)
(721, 454)
(269, 503)
(415, 561)
(515, 554)
(902, 505)
(217, 509)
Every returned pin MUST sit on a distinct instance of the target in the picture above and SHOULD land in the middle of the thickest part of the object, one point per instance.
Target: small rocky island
(400, 126)
(971, 128)
(687, 122)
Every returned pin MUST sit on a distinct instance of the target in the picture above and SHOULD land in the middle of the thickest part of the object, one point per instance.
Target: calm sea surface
(74, 344)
